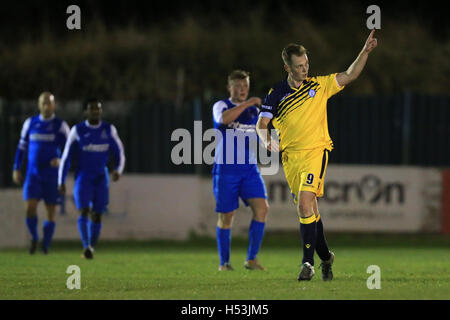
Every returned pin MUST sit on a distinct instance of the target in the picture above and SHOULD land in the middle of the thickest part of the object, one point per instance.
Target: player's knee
(31, 212)
(31, 208)
(96, 217)
(51, 213)
(85, 212)
(305, 208)
(261, 213)
(225, 220)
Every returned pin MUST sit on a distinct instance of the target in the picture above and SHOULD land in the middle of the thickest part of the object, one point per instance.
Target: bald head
(47, 104)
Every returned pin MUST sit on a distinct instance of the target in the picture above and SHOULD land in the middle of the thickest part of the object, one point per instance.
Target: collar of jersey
(234, 104)
(93, 126)
(301, 85)
(46, 120)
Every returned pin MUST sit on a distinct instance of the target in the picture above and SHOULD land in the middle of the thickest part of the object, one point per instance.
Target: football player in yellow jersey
(297, 107)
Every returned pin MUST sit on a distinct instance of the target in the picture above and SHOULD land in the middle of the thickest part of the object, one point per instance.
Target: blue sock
(255, 237)
(94, 232)
(223, 244)
(83, 230)
(32, 224)
(49, 229)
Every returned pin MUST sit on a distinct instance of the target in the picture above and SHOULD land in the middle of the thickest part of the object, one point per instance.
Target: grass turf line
(412, 267)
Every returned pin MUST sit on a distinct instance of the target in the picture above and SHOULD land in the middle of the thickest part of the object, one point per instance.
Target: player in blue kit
(91, 142)
(239, 178)
(42, 140)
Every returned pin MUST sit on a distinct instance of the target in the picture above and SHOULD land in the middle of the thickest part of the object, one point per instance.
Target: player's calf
(223, 237)
(48, 228)
(95, 226)
(83, 227)
(32, 224)
(33, 246)
(307, 228)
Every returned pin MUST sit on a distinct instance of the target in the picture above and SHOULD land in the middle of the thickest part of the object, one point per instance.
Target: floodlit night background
(161, 65)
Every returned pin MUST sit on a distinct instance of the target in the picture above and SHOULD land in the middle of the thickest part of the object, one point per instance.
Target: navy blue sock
(308, 233)
(49, 229)
(255, 237)
(32, 224)
(83, 230)
(94, 232)
(321, 243)
(223, 244)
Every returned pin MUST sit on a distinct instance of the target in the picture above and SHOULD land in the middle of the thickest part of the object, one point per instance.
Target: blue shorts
(92, 192)
(36, 187)
(228, 188)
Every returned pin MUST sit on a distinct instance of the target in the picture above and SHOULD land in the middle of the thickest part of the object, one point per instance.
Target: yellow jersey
(300, 114)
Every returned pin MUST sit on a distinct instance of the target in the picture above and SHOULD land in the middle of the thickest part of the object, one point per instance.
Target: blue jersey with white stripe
(238, 136)
(42, 140)
(92, 146)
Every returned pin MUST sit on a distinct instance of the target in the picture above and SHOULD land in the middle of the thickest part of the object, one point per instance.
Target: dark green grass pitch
(412, 267)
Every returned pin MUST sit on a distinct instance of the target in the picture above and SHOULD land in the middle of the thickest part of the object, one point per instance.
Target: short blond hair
(238, 75)
(290, 50)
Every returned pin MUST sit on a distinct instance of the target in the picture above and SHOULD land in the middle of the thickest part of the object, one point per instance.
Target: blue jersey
(44, 140)
(239, 136)
(92, 146)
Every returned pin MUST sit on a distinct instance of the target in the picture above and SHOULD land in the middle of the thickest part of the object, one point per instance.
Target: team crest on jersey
(312, 93)
(104, 136)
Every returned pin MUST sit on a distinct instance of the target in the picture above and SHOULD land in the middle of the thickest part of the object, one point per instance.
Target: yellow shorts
(305, 170)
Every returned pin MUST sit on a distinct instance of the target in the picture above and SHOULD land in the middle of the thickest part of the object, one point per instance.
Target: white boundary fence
(357, 199)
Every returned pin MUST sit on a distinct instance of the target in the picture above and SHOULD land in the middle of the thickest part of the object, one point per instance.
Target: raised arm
(264, 134)
(357, 66)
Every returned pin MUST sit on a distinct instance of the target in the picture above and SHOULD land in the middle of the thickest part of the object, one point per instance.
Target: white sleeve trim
(218, 109)
(65, 129)
(73, 136)
(116, 138)
(23, 142)
(265, 115)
